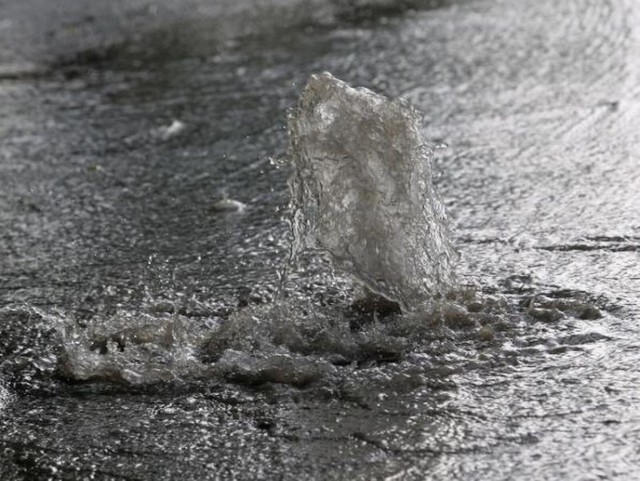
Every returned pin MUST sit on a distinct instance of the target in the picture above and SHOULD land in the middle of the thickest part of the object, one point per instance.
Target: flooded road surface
(142, 190)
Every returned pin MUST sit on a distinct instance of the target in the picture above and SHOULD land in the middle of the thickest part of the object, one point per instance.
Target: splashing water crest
(131, 349)
(362, 191)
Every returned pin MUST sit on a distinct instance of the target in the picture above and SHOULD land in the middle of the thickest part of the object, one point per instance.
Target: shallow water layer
(142, 333)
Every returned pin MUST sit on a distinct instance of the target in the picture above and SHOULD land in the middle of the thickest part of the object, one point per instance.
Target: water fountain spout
(362, 191)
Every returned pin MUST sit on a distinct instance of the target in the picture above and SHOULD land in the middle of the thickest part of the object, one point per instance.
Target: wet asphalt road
(105, 218)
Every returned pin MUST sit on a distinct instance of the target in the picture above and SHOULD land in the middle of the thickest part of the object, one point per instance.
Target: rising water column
(362, 191)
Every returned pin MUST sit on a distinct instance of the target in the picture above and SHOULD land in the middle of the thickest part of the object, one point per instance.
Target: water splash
(362, 193)
(129, 348)
(362, 190)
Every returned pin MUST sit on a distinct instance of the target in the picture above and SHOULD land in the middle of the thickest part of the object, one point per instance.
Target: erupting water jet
(362, 191)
